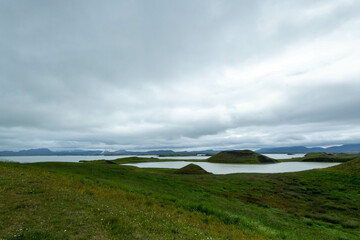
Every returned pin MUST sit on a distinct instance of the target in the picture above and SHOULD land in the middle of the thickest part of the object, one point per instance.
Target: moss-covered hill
(191, 169)
(93, 200)
(352, 167)
(240, 156)
(325, 157)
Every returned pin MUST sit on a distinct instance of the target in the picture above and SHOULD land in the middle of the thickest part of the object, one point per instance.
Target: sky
(181, 75)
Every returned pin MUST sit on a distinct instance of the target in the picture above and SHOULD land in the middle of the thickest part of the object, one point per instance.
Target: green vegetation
(109, 162)
(325, 157)
(352, 167)
(240, 156)
(191, 169)
(93, 200)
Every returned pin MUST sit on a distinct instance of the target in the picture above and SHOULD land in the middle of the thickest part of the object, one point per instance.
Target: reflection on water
(221, 168)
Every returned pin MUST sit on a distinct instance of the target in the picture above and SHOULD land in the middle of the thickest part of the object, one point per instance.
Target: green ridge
(352, 166)
(191, 169)
(326, 157)
(240, 156)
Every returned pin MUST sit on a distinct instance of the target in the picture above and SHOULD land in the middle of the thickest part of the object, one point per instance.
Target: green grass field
(93, 200)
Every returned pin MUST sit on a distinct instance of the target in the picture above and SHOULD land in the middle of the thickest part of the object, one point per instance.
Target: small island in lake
(240, 156)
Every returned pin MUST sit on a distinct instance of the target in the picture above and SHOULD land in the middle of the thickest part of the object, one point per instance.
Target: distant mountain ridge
(346, 148)
(29, 152)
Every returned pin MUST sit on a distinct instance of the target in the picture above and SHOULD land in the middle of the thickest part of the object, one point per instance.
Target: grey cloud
(145, 74)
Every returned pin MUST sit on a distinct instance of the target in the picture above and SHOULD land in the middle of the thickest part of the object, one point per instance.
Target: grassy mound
(319, 157)
(108, 162)
(325, 157)
(240, 156)
(191, 169)
(352, 167)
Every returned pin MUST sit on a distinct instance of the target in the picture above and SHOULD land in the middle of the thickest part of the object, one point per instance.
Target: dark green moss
(240, 156)
(191, 169)
(325, 157)
(109, 162)
(352, 166)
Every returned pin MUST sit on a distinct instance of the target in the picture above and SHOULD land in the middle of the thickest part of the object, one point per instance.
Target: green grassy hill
(352, 166)
(240, 156)
(325, 157)
(191, 169)
(93, 200)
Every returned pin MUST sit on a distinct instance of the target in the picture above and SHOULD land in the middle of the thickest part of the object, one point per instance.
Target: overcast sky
(179, 74)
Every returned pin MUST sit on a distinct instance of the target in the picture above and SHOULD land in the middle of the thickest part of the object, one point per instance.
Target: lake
(221, 168)
(32, 159)
(216, 168)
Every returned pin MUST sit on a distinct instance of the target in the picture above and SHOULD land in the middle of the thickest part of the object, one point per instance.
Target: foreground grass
(98, 201)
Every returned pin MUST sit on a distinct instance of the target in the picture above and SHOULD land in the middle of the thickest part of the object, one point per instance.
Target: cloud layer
(179, 75)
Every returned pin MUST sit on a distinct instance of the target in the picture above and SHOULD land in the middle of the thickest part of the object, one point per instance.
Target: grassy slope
(191, 169)
(324, 157)
(350, 167)
(100, 201)
(240, 156)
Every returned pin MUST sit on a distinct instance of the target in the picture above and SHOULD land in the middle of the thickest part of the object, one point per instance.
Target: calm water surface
(284, 156)
(32, 159)
(220, 168)
(216, 168)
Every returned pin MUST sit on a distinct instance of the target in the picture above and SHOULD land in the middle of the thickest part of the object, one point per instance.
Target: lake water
(32, 159)
(216, 168)
(284, 156)
(221, 168)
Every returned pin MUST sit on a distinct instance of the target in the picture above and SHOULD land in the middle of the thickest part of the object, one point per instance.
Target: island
(240, 156)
